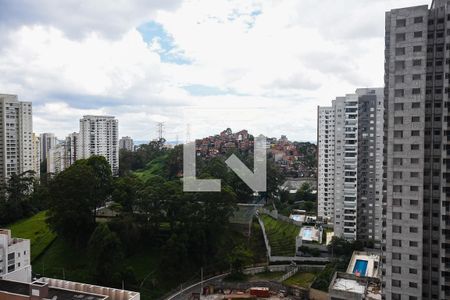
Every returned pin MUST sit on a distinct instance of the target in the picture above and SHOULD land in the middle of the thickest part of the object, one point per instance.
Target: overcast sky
(212, 64)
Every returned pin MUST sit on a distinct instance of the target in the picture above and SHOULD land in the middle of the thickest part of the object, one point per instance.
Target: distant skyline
(259, 65)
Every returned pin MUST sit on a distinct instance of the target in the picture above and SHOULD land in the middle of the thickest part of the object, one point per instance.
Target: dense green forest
(187, 230)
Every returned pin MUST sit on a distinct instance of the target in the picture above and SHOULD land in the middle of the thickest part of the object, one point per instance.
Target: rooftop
(349, 285)
(20, 288)
(364, 264)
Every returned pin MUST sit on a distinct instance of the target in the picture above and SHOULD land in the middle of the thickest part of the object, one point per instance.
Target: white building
(47, 141)
(350, 164)
(56, 159)
(126, 143)
(16, 129)
(99, 136)
(36, 159)
(14, 257)
(325, 127)
(72, 147)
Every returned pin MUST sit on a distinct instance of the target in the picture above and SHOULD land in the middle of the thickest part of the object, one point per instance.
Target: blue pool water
(307, 233)
(360, 268)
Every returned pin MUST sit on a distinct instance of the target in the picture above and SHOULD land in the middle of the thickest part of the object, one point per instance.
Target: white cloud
(281, 58)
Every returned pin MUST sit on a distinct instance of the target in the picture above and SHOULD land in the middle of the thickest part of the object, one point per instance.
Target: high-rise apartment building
(350, 141)
(126, 143)
(48, 141)
(36, 156)
(416, 212)
(16, 129)
(72, 147)
(56, 158)
(325, 142)
(99, 136)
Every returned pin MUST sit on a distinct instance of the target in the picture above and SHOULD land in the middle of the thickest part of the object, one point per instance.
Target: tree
(125, 191)
(106, 255)
(75, 194)
(238, 258)
(72, 203)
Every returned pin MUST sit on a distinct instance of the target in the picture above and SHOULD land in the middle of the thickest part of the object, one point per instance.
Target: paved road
(195, 288)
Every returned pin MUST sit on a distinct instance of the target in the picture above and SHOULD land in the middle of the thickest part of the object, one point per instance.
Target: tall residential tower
(416, 212)
(99, 136)
(350, 141)
(16, 130)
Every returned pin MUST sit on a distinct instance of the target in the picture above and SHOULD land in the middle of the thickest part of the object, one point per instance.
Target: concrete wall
(317, 295)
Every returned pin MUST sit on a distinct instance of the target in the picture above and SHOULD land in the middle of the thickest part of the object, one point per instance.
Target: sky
(198, 66)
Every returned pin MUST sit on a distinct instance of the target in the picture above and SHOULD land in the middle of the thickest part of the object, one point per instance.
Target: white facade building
(14, 257)
(126, 143)
(350, 164)
(36, 159)
(99, 136)
(47, 141)
(16, 129)
(325, 127)
(56, 159)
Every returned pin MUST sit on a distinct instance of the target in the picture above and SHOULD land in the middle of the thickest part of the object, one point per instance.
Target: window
(399, 78)
(418, 34)
(398, 106)
(418, 20)
(416, 77)
(413, 284)
(397, 202)
(398, 120)
(396, 229)
(398, 134)
(401, 23)
(412, 271)
(417, 62)
(415, 119)
(413, 229)
(398, 175)
(398, 147)
(414, 174)
(399, 92)
(396, 269)
(413, 216)
(398, 161)
(397, 215)
(396, 283)
(415, 105)
(414, 161)
(412, 257)
(397, 189)
(416, 91)
(417, 48)
(400, 51)
(415, 146)
(396, 243)
(400, 65)
(413, 202)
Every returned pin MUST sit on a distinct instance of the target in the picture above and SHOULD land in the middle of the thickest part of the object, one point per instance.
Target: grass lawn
(301, 279)
(35, 229)
(61, 260)
(266, 276)
(281, 236)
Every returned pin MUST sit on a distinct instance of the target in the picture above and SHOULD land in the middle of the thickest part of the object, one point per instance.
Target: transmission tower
(160, 126)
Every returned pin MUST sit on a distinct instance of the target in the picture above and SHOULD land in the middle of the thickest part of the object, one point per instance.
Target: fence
(274, 214)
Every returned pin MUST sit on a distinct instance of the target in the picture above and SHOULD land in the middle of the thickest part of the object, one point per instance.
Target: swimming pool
(360, 268)
(307, 233)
